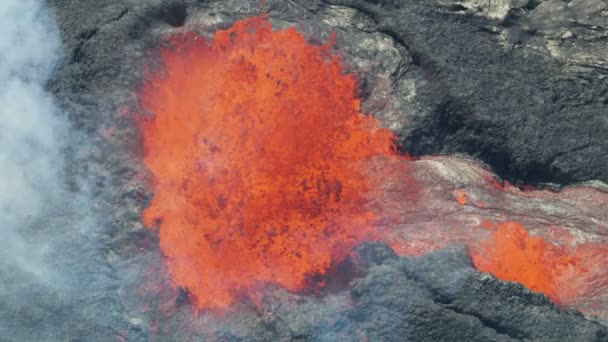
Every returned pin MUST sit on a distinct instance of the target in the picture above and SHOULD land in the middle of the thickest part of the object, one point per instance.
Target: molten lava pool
(266, 171)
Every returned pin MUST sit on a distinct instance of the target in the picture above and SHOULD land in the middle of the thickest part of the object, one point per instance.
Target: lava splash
(256, 147)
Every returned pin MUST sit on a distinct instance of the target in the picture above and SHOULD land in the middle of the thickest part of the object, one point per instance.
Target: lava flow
(266, 171)
(561, 273)
(255, 147)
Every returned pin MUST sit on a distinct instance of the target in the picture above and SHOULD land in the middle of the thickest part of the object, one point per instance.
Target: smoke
(31, 132)
(51, 267)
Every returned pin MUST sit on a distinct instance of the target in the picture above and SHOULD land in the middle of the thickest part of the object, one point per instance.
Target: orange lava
(565, 275)
(461, 197)
(255, 145)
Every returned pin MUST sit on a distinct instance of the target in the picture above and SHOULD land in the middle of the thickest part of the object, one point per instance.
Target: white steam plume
(31, 132)
(55, 283)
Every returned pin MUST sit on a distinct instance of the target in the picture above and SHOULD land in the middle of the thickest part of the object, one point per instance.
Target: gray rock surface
(512, 92)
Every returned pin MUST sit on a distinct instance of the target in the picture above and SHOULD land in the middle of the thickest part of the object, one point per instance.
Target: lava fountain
(266, 171)
(256, 144)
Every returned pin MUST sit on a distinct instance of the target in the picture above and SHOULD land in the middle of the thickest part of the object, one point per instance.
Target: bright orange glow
(563, 274)
(514, 255)
(461, 197)
(256, 145)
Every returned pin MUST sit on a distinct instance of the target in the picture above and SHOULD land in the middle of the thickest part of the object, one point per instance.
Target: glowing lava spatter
(255, 145)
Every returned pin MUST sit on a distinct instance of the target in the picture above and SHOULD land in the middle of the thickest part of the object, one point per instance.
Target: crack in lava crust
(256, 146)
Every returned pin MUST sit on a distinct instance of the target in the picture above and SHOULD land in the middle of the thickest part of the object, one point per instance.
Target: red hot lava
(560, 272)
(256, 146)
(266, 171)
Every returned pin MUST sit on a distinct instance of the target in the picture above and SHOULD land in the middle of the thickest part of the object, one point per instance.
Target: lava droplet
(256, 145)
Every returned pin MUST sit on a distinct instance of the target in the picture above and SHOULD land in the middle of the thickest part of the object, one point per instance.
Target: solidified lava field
(320, 170)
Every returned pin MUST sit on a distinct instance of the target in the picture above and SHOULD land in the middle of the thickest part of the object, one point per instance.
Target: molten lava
(516, 256)
(563, 274)
(256, 144)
